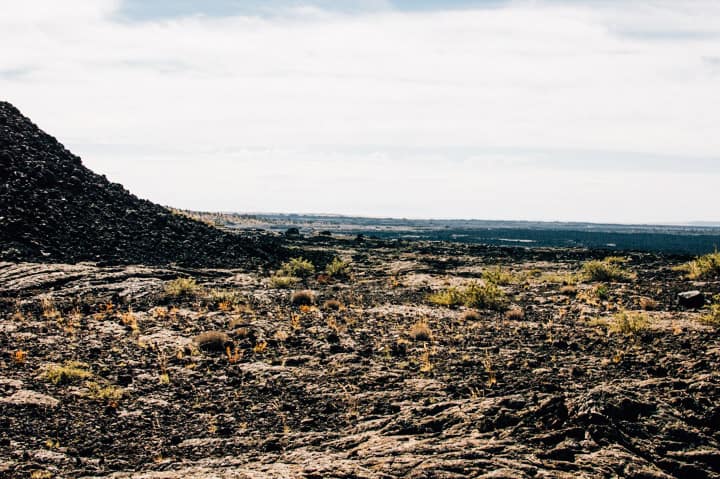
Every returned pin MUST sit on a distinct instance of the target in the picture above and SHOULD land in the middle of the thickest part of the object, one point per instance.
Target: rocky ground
(103, 374)
(54, 209)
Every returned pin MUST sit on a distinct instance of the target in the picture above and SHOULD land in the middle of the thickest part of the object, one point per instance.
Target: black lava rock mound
(53, 209)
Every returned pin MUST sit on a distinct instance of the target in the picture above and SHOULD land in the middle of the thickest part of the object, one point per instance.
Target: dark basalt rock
(691, 299)
(292, 233)
(53, 209)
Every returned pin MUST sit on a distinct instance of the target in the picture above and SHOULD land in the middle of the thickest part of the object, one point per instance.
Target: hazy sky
(551, 110)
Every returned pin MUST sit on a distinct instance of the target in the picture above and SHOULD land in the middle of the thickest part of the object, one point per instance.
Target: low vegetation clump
(297, 267)
(629, 323)
(499, 276)
(471, 315)
(182, 288)
(332, 305)
(713, 316)
(303, 298)
(225, 299)
(569, 290)
(606, 271)
(212, 341)
(648, 304)
(283, 282)
(108, 393)
(515, 314)
(702, 267)
(472, 295)
(565, 279)
(67, 373)
(338, 268)
(420, 331)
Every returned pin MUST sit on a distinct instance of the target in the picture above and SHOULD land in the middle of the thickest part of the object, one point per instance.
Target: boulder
(691, 299)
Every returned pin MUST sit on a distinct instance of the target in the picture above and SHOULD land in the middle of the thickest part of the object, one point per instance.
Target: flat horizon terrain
(688, 239)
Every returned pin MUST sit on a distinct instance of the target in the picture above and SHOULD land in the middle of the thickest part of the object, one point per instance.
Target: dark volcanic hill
(54, 209)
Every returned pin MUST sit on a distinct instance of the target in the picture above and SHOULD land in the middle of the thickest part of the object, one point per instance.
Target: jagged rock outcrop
(54, 209)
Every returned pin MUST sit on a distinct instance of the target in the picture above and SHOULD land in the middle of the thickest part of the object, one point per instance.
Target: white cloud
(196, 95)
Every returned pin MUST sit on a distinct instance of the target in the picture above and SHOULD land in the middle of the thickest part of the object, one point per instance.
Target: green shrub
(452, 296)
(565, 279)
(283, 282)
(629, 323)
(713, 316)
(605, 271)
(472, 295)
(182, 287)
(297, 267)
(68, 372)
(498, 276)
(702, 267)
(227, 298)
(338, 268)
(602, 292)
(105, 393)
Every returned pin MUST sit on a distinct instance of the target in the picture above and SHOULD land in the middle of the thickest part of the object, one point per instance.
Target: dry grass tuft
(338, 268)
(702, 267)
(303, 298)
(283, 282)
(182, 288)
(606, 271)
(297, 267)
(67, 373)
(471, 315)
(569, 290)
(332, 305)
(213, 341)
(648, 304)
(420, 331)
(629, 323)
(472, 295)
(499, 276)
(514, 314)
(713, 316)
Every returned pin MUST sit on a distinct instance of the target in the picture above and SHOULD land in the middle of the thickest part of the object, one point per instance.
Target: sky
(558, 110)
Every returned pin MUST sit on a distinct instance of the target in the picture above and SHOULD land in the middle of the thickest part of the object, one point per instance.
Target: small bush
(213, 341)
(602, 292)
(449, 297)
(713, 316)
(297, 267)
(616, 260)
(488, 296)
(569, 290)
(472, 295)
(566, 279)
(515, 314)
(68, 372)
(110, 394)
(182, 288)
(283, 282)
(648, 304)
(332, 305)
(605, 271)
(498, 276)
(420, 331)
(225, 298)
(702, 267)
(338, 268)
(303, 298)
(629, 323)
(471, 315)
